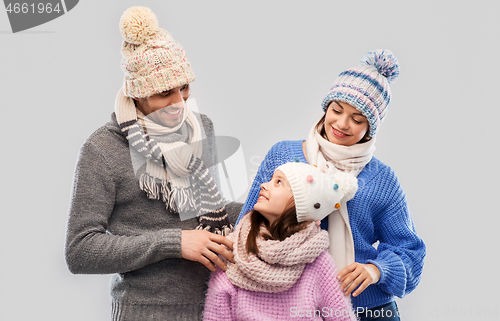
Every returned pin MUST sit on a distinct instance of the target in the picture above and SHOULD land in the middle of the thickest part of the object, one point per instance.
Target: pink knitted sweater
(276, 286)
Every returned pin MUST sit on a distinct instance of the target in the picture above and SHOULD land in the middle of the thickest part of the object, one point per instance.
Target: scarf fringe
(216, 222)
(175, 199)
(200, 194)
(148, 184)
(224, 230)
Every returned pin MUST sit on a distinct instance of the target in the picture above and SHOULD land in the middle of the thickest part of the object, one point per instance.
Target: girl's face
(344, 124)
(274, 197)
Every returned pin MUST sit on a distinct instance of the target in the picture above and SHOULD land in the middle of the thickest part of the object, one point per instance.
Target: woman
(377, 250)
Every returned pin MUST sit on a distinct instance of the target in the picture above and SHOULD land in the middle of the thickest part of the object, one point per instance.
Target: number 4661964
(32, 8)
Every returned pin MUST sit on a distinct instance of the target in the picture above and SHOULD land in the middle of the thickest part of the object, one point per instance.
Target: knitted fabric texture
(198, 195)
(153, 62)
(335, 159)
(114, 227)
(279, 263)
(315, 296)
(366, 87)
(317, 194)
(378, 212)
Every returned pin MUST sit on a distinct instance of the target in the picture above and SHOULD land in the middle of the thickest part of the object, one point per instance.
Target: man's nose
(178, 99)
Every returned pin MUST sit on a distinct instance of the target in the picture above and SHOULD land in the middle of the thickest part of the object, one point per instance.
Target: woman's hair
(321, 128)
(284, 226)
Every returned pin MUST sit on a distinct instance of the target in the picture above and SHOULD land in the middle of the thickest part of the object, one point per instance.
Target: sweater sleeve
(218, 300)
(90, 249)
(401, 252)
(333, 305)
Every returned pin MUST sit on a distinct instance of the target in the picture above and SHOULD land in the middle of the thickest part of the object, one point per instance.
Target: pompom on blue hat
(366, 87)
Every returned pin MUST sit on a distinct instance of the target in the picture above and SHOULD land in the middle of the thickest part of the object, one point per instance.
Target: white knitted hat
(317, 194)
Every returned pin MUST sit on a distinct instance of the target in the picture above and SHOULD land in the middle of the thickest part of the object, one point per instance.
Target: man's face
(165, 108)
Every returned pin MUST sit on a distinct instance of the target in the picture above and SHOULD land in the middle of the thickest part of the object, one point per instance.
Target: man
(144, 200)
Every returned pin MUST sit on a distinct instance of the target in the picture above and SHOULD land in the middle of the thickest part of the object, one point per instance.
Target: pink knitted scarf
(279, 263)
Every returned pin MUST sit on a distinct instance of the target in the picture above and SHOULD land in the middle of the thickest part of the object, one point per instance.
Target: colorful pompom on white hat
(316, 193)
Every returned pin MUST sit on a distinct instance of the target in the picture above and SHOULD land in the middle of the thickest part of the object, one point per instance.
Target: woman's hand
(356, 274)
(203, 247)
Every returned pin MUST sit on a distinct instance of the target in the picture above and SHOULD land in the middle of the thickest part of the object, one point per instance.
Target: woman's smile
(339, 133)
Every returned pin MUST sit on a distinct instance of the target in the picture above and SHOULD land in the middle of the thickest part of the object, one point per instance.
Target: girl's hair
(283, 227)
(321, 128)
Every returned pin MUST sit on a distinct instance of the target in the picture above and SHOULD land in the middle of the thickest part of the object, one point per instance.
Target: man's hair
(284, 226)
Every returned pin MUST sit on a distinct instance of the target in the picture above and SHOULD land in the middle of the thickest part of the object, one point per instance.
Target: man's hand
(356, 274)
(203, 247)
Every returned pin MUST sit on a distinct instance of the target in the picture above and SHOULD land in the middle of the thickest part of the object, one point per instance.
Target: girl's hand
(356, 274)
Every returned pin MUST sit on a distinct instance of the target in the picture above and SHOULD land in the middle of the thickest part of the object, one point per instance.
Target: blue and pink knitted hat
(366, 87)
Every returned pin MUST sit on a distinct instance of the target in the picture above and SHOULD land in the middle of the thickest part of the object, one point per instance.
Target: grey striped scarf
(199, 197)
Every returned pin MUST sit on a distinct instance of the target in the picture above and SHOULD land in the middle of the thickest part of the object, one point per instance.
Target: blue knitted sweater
(378, 212)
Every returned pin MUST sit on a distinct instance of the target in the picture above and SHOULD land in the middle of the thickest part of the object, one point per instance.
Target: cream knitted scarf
(279, 263)
(174, 172)
(332, 158)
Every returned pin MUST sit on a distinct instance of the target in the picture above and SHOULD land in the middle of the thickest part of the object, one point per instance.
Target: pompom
(138, 25)
(348, 184)
(385, 62)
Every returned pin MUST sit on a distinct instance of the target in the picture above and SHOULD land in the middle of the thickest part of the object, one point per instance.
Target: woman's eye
(357, 121)
(336, 111)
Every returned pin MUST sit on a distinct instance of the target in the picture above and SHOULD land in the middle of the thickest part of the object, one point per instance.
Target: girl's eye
(278, 181)
(336, 111)
(357, 121)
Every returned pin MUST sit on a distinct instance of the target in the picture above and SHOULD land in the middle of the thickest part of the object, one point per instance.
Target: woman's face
(274, 197)
(344, 124)
(165, 108)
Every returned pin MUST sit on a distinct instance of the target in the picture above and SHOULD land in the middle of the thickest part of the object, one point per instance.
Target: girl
(283, 270)
(378, 253)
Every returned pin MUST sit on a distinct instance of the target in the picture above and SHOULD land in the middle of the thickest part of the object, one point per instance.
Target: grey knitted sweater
(114, 228)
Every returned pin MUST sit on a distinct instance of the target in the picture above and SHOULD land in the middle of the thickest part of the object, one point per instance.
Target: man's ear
(136, 101)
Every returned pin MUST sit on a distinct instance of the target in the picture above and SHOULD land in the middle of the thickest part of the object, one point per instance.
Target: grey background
(262, 70)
